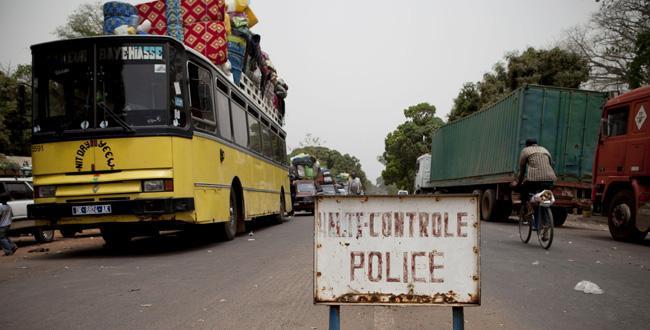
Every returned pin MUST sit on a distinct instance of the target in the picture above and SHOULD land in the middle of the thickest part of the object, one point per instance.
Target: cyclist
(535, 174)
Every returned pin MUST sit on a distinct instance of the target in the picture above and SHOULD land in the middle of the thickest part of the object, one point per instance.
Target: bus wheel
(621, 218)
(43, 236)
(280, 218)
(229, 228)
(115, 237)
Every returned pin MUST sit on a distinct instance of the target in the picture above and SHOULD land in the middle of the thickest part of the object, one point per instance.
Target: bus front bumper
(157, 206)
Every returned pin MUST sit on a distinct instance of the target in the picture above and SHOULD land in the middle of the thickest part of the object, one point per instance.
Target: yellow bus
(137, 134)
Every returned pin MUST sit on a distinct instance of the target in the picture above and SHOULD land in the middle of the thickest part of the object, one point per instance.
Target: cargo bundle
(304, 166)
(220, 30)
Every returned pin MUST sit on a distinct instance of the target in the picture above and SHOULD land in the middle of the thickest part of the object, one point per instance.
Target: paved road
(266, 283)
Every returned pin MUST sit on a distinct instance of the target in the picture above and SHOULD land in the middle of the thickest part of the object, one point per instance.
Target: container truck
(622, 165)
(480, 153)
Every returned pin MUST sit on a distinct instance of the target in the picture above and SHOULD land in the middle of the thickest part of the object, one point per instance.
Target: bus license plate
(91, 209)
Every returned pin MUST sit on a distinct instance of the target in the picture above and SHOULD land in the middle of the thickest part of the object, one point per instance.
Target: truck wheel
(43, 236)
(488, 205)
(559, 216)
(621, 218)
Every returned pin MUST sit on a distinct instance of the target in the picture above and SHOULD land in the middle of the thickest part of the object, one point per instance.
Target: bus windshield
(100, 87)
(135, 93)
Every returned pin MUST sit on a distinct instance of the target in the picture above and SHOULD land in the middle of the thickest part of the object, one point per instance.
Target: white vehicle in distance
(21, 194)
(402, 192)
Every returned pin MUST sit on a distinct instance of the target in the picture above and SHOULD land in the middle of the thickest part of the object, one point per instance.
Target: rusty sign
(389, 250)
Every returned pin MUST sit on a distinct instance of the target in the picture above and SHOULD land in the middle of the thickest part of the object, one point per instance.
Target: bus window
(201, 98)
(239, 127)
(267, 146)
(277, 154)
(223, 110)
(283, 151)
(255, 139)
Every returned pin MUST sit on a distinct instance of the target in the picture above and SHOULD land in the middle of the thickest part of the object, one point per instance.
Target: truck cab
(422, 171)
(622, 165)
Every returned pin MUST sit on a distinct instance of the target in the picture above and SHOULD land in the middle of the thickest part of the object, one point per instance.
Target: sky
(353, 66)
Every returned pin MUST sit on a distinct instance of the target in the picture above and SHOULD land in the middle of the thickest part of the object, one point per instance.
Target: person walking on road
(5, 222)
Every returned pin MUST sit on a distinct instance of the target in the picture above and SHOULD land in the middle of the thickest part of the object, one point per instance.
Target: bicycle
(541, 204)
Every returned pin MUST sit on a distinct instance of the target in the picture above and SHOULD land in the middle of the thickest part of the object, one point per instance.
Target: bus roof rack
(255, 95)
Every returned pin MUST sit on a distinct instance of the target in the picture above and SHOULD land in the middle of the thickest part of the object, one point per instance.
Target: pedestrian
(5, 222)
(354, 184)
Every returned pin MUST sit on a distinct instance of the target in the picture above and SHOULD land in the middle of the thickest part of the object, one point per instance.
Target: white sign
(640, 118)
(397, 250)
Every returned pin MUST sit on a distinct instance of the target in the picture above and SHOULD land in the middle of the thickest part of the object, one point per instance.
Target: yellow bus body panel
(194, 164)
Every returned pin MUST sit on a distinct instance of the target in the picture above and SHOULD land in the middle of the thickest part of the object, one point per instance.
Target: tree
(611, 41)
(552, 67)
(467, 101)
(86, 21)
(638, 72)
(14, 125)
(405, 144)
(311, 140)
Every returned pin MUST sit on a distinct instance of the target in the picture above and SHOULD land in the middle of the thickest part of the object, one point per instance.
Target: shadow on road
(165, 243)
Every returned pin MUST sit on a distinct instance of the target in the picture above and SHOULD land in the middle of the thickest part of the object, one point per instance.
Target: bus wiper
(118, 120)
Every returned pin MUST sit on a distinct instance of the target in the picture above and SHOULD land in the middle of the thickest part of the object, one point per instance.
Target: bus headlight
(45, 191)
(157, 185)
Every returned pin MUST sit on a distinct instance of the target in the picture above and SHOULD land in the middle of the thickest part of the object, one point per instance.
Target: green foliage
(15, 133)
(639, 69)
(86, 21)
(552, 67)
(335, 161)
(467, 101)
(406, 143)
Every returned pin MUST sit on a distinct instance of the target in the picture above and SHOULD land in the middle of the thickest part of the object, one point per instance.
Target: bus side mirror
(21, 99)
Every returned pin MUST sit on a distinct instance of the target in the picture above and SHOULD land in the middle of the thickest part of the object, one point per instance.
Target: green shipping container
(484, 148)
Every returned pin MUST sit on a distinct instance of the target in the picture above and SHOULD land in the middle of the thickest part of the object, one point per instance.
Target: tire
(621, 218)
(546, 224)
(229, 228)
(43, 236)
(525, 227)
(115, 237)
(280, 218)
(488, 205)
(68, 232)
(559, 216)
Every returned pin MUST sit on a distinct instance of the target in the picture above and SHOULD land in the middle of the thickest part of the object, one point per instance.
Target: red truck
(622, 165)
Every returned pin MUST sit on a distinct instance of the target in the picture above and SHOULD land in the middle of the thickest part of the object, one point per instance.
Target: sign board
(395, 250)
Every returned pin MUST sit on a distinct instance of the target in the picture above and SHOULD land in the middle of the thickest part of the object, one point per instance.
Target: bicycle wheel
(545, 227)
(525, 226)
